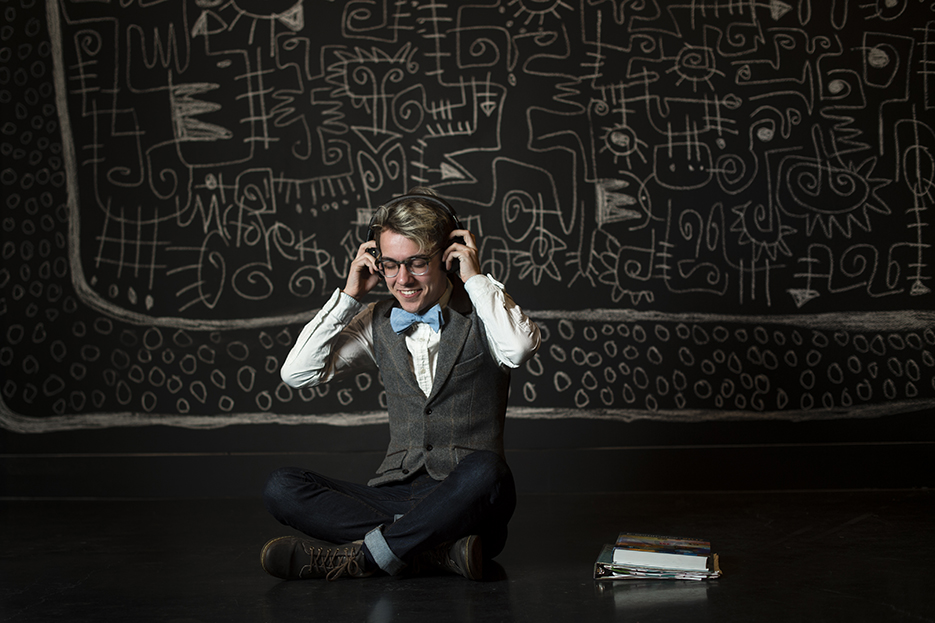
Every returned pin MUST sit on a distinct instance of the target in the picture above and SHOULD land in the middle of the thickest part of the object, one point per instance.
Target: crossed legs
(398, 521)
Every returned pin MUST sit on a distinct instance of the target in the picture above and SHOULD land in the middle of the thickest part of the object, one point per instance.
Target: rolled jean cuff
(381, 552)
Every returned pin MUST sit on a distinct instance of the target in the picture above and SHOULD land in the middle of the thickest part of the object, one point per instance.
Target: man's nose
(404, 275)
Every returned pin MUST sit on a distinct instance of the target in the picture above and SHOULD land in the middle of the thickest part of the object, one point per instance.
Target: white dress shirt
(339, 340)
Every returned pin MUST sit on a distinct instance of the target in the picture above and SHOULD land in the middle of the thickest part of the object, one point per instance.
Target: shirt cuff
(479, 285)
(342, 307)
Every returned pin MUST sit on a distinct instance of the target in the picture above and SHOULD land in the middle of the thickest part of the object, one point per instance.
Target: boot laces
(334, 562)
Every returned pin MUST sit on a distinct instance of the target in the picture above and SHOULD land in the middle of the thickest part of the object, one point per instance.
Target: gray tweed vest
(466, 408)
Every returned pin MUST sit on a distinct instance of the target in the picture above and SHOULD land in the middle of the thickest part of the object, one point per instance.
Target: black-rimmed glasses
(416, 265)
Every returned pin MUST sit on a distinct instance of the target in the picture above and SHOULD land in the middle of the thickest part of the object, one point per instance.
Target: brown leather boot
(302, 558)
(464, 557)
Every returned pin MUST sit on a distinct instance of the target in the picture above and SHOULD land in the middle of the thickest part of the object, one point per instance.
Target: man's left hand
(465, 253)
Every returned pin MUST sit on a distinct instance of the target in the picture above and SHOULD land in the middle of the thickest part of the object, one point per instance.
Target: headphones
(437, 202)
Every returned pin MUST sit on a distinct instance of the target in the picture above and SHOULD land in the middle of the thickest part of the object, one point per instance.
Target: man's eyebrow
(410, 258)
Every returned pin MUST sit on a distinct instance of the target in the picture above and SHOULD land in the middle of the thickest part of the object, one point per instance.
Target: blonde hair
(425, 222)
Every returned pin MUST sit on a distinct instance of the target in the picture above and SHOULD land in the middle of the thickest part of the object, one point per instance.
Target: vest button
(428, 448)
(428, 411)
(405, 471)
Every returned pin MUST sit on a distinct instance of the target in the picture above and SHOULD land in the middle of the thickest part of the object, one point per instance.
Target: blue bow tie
(401, 320)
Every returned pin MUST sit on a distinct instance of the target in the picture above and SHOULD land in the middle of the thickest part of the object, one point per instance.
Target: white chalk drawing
(186, 182)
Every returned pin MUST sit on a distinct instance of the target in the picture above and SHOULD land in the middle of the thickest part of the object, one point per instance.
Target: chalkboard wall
(714, 210)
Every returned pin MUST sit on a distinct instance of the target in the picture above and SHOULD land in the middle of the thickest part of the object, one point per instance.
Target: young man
(444, 345)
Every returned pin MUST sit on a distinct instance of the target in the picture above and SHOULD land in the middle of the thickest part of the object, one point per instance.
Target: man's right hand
(363, 276)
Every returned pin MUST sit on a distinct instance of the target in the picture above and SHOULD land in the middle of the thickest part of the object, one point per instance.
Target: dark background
(720, 218)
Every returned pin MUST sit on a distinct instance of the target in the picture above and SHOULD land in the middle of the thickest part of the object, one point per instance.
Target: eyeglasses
(418, 265)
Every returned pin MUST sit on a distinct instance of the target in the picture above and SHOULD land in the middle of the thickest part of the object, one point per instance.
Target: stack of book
(650, 557)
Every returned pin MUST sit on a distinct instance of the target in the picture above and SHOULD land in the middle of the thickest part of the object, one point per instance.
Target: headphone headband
(438, 202)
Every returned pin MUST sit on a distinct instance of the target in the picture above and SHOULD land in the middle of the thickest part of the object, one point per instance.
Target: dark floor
(858, 556)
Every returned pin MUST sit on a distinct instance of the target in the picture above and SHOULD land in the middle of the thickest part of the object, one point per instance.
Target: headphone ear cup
(376, 255)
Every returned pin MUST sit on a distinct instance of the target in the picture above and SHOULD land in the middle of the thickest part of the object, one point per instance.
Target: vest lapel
(397, 351)
(455, 332)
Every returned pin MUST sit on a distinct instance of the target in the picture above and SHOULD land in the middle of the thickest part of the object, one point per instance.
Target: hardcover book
(647, 550)
(606, 569)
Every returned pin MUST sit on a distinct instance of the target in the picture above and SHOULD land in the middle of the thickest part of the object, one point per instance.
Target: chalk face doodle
(645, 177)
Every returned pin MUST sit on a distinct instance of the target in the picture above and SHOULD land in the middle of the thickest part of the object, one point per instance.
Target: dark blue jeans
(478, 497)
